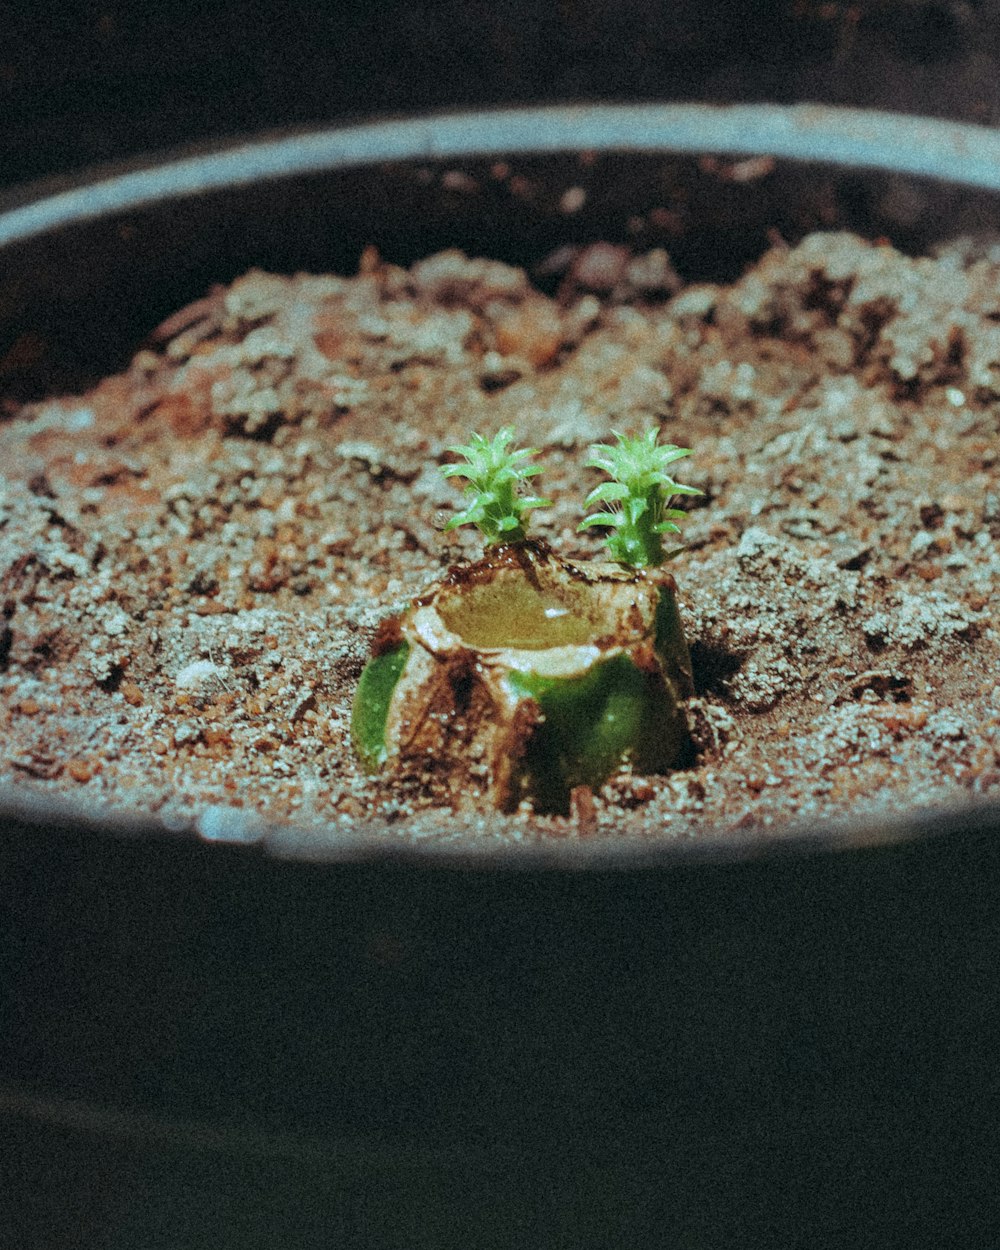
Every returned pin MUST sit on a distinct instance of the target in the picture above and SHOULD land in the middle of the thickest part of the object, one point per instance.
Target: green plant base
(523, 677)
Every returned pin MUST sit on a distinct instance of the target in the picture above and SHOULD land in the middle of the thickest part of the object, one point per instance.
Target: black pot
(292, 1042)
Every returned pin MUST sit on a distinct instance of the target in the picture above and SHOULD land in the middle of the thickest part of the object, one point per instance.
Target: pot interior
(87, 274)
(79, 295)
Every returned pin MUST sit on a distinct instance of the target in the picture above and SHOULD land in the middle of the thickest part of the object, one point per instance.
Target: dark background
(90, 81)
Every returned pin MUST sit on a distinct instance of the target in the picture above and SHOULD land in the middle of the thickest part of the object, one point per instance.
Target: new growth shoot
(495, 477)
(637, 497)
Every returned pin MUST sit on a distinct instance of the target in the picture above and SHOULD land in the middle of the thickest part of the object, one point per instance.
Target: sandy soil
(195, 556)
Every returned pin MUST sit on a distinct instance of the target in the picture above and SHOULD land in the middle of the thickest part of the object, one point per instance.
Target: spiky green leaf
(494, 476)
(607, 492)
(642, 489)
(599, 518)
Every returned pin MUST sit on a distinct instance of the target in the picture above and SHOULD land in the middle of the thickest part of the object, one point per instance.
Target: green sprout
(495, 477)
(639, 495)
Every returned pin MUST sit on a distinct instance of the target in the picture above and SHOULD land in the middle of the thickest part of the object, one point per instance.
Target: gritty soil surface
(195, 556)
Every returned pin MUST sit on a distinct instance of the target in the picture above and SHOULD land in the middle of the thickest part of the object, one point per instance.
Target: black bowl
(290, 1041)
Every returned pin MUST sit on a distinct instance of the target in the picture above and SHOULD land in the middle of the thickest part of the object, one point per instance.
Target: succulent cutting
(523, 675)
(637, 497)
(495, 477)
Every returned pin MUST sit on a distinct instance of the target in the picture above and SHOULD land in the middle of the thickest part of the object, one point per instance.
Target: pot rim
(35, 817)
(928, 147)
(943, 151)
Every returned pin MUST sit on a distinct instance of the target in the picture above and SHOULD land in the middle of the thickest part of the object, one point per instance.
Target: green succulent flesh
(670, 643)
(371, 705)
(573, 683)
(517, 614)
(593, 724)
